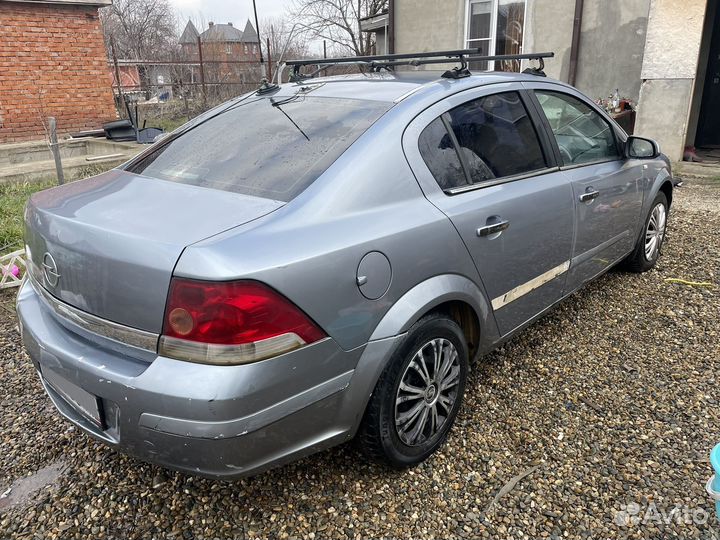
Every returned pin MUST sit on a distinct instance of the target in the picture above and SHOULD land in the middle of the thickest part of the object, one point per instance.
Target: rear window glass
(263, 149)
(438, 151)
(497, 137)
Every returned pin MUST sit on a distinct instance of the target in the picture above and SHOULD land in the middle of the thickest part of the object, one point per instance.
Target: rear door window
(440, 154)
(268, 147)
(480, 141)
(496, 137)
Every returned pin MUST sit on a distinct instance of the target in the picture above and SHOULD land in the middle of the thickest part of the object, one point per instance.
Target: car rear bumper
(216, 421)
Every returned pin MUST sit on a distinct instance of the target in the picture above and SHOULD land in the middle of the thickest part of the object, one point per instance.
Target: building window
(495, 27)
(246, 48)
(228, 49)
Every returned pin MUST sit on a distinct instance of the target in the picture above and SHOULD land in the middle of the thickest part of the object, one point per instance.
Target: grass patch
(12, 203)
(13, 197)
(168, 124)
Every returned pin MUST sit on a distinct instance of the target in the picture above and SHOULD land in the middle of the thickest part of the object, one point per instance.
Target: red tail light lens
(231, 322)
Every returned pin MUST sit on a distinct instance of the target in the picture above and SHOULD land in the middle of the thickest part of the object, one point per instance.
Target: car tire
(403, 396)
(646, 254)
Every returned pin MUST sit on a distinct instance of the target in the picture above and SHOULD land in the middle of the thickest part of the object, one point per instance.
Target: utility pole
(269, 63)
(202, 71)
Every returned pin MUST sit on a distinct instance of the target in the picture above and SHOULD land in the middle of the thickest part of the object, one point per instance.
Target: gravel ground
(607, 408)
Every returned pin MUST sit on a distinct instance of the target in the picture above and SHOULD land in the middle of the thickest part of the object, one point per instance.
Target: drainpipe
(575, 44)
(391, 27)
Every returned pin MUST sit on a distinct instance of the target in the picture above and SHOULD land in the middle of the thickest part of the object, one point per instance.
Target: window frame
(493, 29)
(619, 135)
(551, 164)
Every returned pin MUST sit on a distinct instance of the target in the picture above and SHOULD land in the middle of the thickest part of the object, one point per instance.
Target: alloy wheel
(655, 231)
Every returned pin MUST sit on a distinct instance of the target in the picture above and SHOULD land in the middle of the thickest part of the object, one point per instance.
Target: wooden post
(202, 72)
(324, 49)
(52, 124)
(269, 61)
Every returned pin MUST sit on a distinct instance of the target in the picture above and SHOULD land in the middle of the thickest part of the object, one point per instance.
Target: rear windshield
(268, 147)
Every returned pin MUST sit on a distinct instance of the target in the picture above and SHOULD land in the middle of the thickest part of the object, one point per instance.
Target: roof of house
(219, 33)
(374, 22)
(249, 35)
(222, 33)
(189, 35)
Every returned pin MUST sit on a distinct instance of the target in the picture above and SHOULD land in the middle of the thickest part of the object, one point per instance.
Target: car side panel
(523, 269)
(310, 250)
(605, 225)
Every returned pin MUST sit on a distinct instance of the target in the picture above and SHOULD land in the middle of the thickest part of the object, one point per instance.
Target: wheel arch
(453, 294)
(667, 188)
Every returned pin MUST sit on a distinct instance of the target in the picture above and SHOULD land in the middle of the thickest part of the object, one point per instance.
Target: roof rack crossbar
(414, 59)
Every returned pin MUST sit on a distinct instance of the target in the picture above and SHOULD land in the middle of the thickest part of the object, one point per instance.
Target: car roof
(394, 86)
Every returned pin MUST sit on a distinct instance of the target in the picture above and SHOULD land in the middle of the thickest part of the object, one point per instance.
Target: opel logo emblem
(50, 270)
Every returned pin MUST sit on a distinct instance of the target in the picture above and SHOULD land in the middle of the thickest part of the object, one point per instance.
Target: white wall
(670, 62)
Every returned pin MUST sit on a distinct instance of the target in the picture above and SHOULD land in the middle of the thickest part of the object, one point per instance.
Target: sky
(234, 11)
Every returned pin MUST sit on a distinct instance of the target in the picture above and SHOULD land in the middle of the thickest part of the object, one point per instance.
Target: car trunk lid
(113, 240)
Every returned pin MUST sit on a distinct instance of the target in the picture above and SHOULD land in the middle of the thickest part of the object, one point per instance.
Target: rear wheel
(418, 396)
(647, 249)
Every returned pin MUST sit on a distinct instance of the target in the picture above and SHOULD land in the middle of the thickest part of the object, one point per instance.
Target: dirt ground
(596, 422)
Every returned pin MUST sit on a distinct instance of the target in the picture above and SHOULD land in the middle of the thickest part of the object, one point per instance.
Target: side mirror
(641, 148)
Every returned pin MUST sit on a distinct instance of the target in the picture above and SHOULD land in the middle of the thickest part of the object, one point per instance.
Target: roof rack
(389, 61)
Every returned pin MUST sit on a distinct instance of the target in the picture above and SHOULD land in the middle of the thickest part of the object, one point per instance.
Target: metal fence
(170, 91)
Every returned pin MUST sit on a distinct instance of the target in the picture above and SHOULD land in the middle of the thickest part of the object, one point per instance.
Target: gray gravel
(609, 405)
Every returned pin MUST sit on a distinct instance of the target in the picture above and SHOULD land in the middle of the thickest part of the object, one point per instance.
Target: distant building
(222, 46)
(378, 25)
(52, 63)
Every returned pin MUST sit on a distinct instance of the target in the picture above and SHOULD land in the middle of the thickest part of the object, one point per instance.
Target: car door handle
(495, 228)
(590, 195)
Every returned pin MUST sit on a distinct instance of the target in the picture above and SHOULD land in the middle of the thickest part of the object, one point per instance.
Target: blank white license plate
(84, 402)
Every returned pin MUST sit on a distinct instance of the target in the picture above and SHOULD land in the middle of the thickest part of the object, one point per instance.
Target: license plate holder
(87, 404)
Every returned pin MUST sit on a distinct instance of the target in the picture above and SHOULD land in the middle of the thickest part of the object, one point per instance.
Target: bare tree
(282, 36)
(338, 22)
(140, 28)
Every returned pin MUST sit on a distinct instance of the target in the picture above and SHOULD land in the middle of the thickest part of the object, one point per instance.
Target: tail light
(232, 322)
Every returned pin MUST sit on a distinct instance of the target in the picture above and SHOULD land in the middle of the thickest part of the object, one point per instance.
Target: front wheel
(418, 396)
(647, 249)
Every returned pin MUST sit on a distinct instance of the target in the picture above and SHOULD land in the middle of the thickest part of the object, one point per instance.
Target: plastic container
(713, 485)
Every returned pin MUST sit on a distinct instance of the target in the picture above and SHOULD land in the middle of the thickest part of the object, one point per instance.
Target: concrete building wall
(611, 47)
(52, 63)
(648, 49)
(429, 25)
(548, 27)
(611, 43)
(670, 63)
(612, 37)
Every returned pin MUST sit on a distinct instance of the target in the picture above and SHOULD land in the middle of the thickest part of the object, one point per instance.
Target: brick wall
(52, 63)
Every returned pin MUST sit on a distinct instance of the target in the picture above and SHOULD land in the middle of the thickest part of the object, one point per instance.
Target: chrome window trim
(501, 180)
(589, 163)
(96, 325)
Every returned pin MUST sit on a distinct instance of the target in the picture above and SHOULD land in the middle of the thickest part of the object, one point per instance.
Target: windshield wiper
(290, 99)
(277, 104)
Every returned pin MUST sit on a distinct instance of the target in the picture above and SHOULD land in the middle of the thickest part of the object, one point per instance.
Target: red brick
(52, 63)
